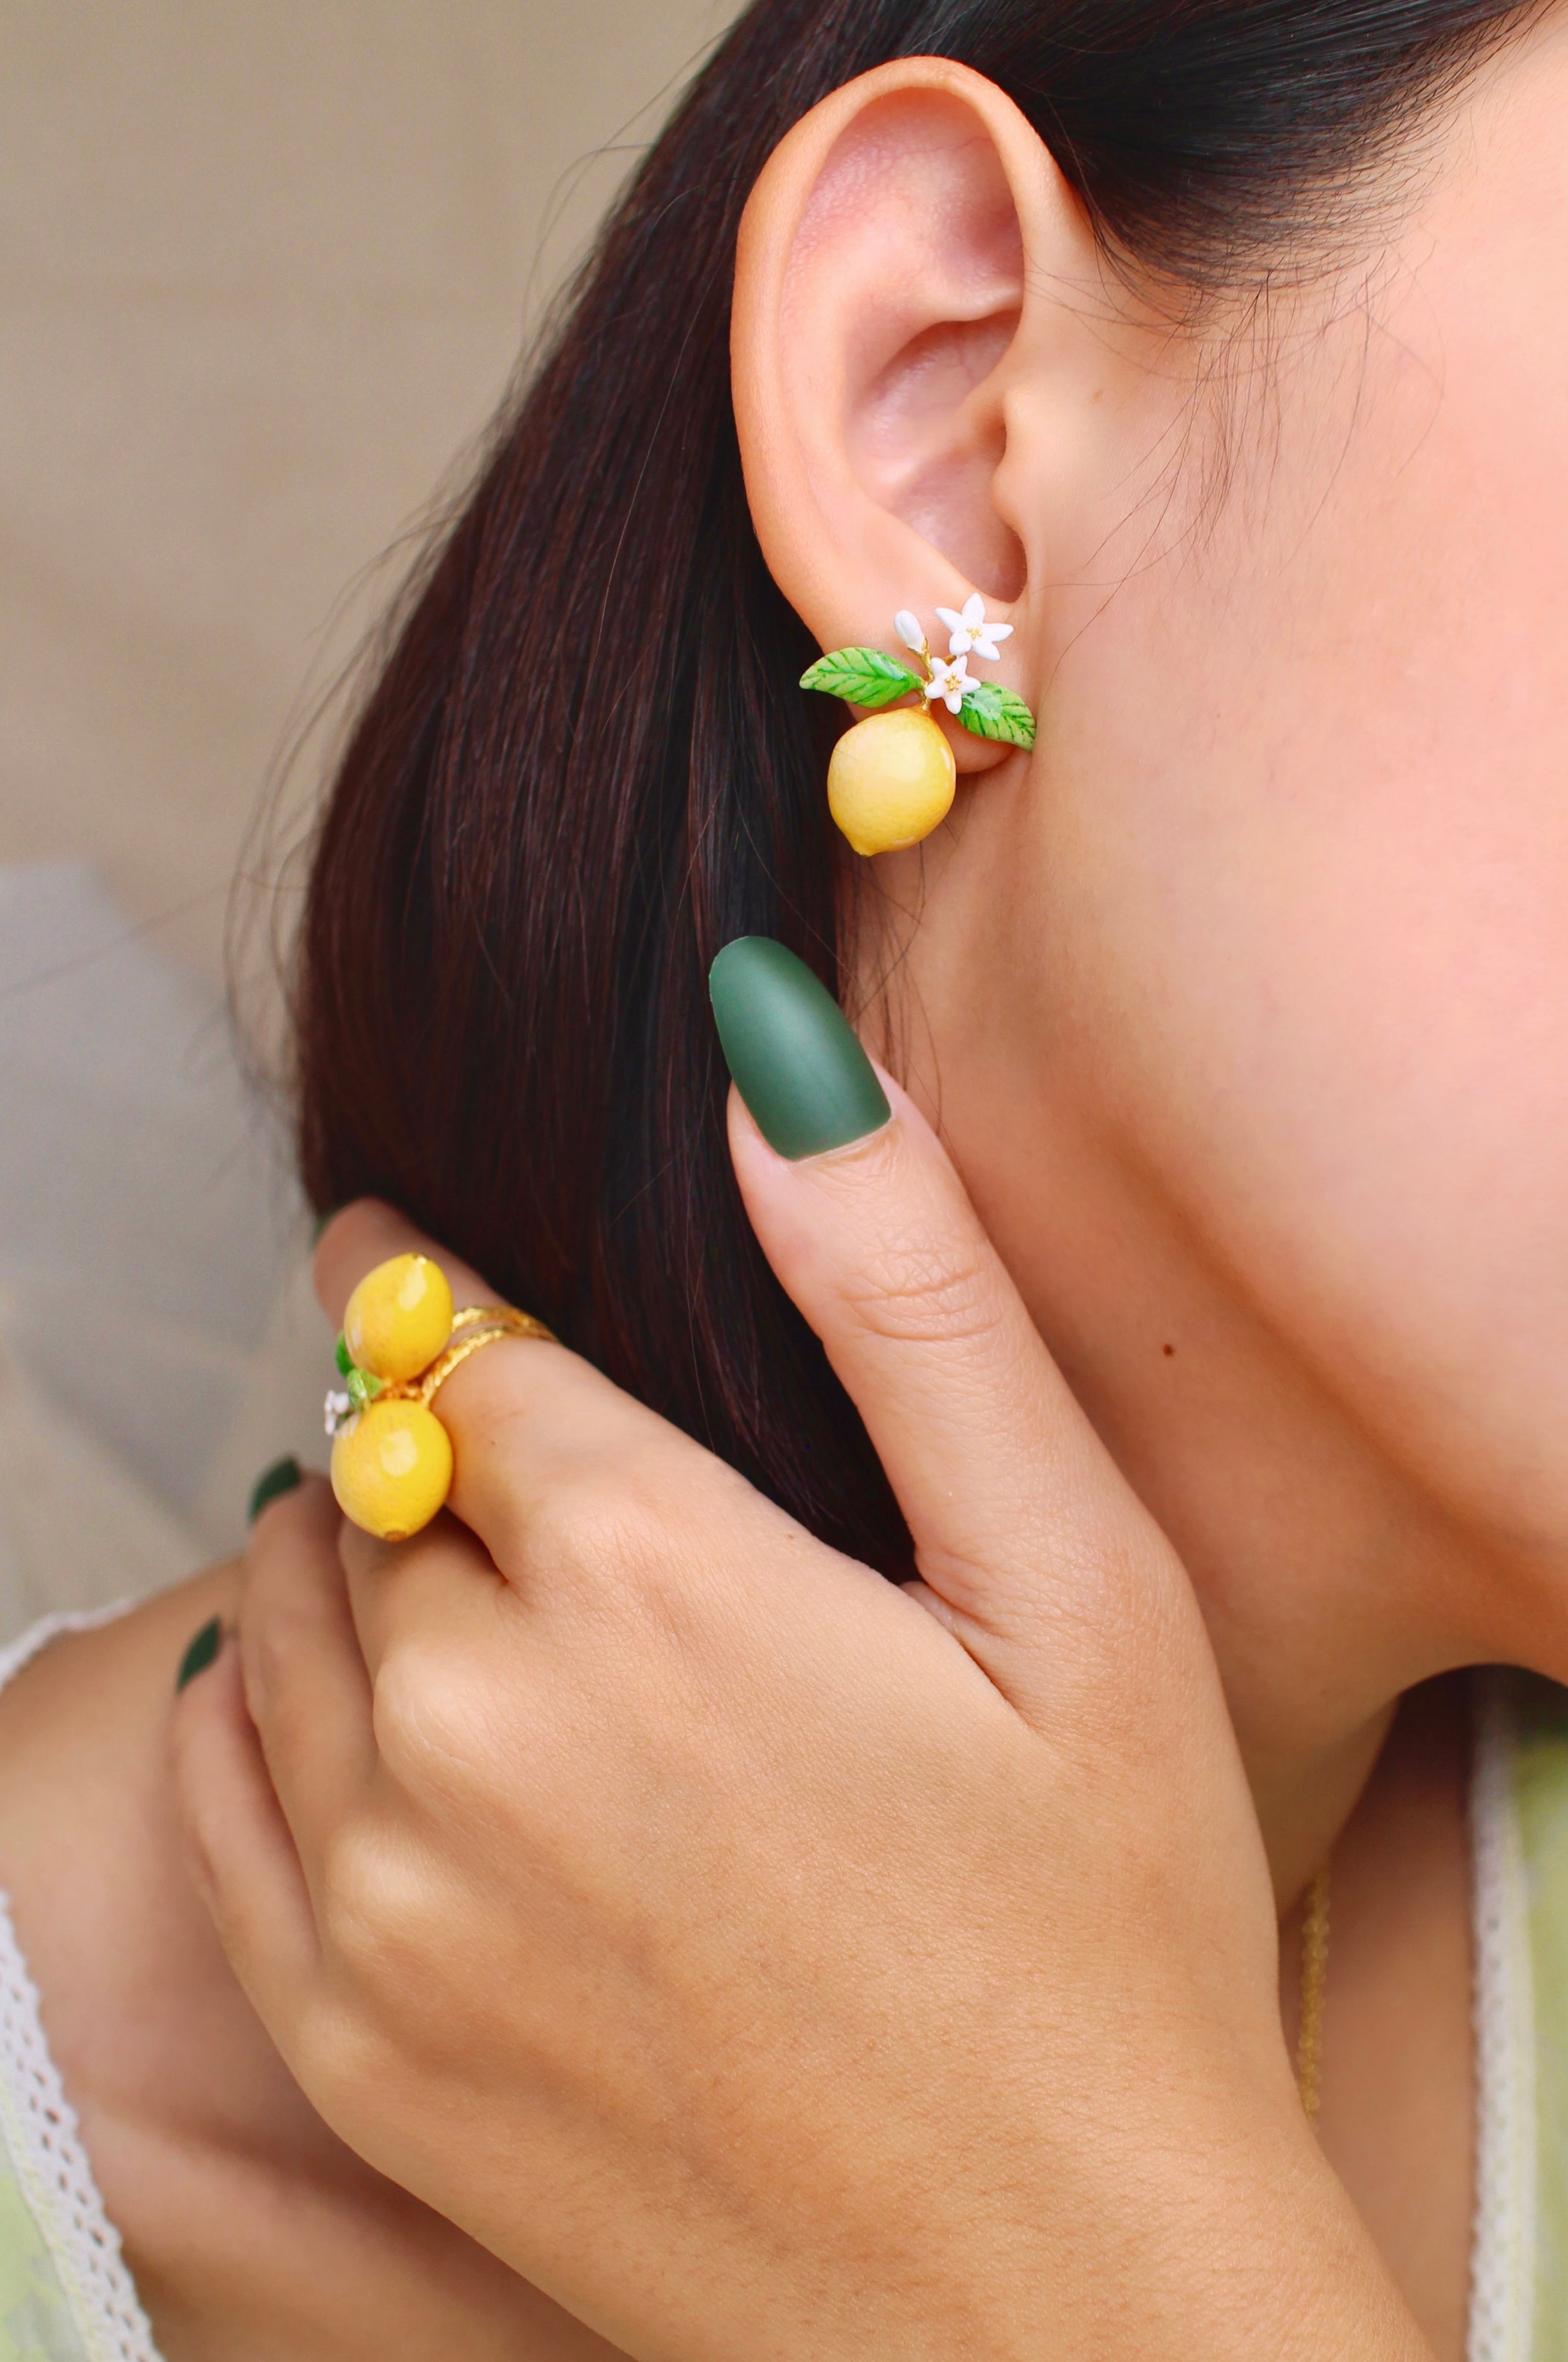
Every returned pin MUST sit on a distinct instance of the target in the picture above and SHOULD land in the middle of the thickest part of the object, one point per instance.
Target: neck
(1304, 1801)
(1330, 1580)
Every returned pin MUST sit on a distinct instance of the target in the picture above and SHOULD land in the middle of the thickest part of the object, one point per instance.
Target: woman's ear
(905, 286)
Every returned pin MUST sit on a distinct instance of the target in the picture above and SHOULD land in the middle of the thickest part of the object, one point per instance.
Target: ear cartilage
(891, 778)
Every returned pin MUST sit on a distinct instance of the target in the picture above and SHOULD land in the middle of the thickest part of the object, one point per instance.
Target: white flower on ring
(339, 1409)
(971, 631)
(947, 681)
(907, 625)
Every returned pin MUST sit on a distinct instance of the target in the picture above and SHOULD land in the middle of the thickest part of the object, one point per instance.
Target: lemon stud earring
(391, 1457)
(892, 776)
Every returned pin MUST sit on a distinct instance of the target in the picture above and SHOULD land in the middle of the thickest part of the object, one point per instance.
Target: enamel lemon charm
(892, 776)
(391, 1457)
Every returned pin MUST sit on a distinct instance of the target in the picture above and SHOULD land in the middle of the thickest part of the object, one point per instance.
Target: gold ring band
(499, 1321)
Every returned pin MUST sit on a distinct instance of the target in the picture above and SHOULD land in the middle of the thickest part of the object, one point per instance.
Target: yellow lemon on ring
(399, 1318)
(890, 780)
(391, 1469)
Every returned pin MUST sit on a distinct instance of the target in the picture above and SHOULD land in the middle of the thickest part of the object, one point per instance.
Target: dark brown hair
(586, 764)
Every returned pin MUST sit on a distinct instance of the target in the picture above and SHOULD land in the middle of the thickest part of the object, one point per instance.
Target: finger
(435, 1597)
(1023, 1525)
(304, 1677)
(529, 1421)
(370, 1232)
(238, 1844)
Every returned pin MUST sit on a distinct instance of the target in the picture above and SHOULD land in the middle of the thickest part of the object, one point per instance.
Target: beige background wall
(264, 266)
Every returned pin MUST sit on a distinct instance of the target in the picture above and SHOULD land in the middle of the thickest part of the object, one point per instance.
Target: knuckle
(427, 1715)
(595, 1528)
(340, 2054)
(923, 1291)
(271, 1648)
(351, 1907)
(376, 1912)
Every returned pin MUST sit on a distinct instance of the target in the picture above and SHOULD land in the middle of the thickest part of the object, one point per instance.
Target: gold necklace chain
(1314, 1986)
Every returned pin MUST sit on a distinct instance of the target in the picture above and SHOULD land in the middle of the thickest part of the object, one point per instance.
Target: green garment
(1543, 1785)
(36, 2323)
(1520, 1814)
(65, 2293)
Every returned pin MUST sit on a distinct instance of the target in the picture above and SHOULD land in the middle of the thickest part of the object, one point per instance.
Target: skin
(654, 1891)
(250, 2229)
(1241, 1010)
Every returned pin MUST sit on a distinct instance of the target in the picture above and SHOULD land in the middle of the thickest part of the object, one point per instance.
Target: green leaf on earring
(862, 676)
(993, 711)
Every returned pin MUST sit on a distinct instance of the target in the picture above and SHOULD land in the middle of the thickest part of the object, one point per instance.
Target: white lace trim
(40, 2127)
(1502, 2268)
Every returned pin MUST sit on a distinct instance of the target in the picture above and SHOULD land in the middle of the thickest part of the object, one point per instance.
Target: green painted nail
(274, 1482)
(199, 1653)
(796, 1064)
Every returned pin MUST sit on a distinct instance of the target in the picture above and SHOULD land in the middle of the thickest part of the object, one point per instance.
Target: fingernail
(199, 1653)
(271, 1485)
(804, 1077)
(318, 1225)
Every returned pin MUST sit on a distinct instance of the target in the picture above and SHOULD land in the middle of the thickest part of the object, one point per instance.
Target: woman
(757, 1958)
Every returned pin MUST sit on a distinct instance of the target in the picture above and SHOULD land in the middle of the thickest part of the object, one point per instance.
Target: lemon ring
(391, 1456)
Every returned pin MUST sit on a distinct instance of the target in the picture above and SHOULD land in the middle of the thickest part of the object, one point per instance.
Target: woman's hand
(767, 1961)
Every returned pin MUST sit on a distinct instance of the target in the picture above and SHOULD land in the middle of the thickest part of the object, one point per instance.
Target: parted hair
(584, 764)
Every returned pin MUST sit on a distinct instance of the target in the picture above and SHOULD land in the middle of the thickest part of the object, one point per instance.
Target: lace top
(65, 2293)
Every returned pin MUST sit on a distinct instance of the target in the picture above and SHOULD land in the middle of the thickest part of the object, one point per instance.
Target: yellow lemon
(890, 780)
(399, 1318)
(391, 1469)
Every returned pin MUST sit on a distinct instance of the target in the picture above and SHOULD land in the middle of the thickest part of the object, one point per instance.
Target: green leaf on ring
(993, 711)
(861, 675)
(363, 1387)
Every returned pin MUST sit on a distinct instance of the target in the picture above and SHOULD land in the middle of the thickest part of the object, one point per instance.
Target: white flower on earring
(947, 682)
(871, 678)
(971, 631)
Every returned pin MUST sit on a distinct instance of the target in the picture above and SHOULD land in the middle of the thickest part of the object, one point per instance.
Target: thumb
(1037, 1552)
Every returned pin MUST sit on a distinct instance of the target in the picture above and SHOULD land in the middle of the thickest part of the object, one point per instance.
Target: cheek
(1353, 1051)
(1283, 914)
(1324, 914)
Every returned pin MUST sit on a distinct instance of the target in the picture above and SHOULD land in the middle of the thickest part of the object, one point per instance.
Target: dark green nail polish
(199, 1653)
(804, 1077)
(281, 1478)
